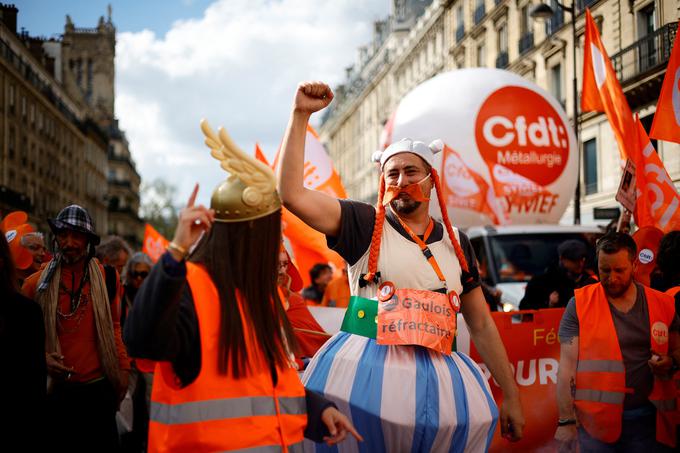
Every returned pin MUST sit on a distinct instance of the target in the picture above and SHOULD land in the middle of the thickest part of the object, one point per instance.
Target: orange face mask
(415, 191)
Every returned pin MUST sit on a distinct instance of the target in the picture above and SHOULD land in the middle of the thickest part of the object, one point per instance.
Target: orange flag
(308, 245)
(666, 125)
(466, 189)
(602, 91)
(658, 201)
(154, 243)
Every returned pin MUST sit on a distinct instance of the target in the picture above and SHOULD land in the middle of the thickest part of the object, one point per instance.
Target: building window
(590, 166)
(481, 55)
(556, 83)
(646, 20)
(79, 72)
(503, 38)
(526, 40)
(11, 96)
(460, 23)
(525, 24)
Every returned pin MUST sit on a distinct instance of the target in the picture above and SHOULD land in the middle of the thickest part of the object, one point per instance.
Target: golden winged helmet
(250, 190)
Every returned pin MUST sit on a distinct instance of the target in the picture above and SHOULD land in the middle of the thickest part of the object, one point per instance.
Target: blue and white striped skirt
(403, 398)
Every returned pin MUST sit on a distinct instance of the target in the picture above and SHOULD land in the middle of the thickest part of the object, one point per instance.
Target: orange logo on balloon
(518, 129)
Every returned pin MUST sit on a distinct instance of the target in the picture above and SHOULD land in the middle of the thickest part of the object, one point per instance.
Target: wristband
(566, 421)
(179, 249)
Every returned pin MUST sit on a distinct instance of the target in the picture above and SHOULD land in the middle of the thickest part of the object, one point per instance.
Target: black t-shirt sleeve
(470, 280)
(356, 229)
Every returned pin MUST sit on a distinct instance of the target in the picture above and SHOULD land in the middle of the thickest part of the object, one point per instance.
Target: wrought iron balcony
(460, 32)
(526, 42)
(646, 54)
(502, 60)
(480, 12)
(581, 5)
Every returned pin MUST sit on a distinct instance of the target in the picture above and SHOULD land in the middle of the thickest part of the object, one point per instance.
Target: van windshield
(518, 257)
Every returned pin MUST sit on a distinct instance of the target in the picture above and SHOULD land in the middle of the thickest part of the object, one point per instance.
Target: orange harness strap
(423, 246)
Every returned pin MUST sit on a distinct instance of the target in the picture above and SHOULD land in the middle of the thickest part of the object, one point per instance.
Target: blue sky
(236, 63)
(47, 17)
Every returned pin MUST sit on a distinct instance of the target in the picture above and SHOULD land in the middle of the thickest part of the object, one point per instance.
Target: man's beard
(405, 205)
(72, 258)
(618, 290)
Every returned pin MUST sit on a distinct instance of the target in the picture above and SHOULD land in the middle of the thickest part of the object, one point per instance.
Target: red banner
(534, 352)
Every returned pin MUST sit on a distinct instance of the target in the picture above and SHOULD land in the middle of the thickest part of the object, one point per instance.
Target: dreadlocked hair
(447, 223)
(377, 234)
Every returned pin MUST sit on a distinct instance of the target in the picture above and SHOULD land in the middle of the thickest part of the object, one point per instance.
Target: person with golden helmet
(392, 363)
(214, 321)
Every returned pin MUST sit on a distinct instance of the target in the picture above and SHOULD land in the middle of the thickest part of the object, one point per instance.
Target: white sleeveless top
(402, 262)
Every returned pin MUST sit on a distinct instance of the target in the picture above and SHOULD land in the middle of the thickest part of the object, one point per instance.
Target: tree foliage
(157, 206)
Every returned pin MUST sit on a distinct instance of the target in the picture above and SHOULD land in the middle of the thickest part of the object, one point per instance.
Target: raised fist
(311, 97)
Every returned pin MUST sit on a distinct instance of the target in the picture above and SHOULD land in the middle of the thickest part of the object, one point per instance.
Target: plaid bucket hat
(75, 218)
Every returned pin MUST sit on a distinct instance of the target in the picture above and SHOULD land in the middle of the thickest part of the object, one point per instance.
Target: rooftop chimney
(8, 16)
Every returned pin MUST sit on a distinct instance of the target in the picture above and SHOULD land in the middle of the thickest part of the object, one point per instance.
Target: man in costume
(216, 323)
(619, 347)
(405, 397)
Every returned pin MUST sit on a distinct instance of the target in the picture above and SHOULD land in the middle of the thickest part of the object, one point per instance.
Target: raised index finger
(192, 198)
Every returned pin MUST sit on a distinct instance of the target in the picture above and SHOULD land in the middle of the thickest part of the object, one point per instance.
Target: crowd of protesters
(62, 314)
(61, 321)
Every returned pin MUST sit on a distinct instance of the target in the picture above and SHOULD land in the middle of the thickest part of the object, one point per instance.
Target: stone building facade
(58, 135)
(453, 34)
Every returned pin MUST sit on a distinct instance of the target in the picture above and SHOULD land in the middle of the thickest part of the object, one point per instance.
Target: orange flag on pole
(466, 189)
(658, 201)
(666, 125)
(308, 245)
(154, 243)
(602, 91)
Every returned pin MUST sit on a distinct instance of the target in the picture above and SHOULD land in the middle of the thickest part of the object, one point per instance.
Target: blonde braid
(447, 223)
(377, 234)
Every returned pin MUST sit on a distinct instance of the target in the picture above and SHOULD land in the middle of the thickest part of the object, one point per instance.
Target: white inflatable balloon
(494, 119)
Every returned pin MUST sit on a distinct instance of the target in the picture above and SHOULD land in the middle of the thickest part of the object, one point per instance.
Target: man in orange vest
(619, 344)
(226, 378)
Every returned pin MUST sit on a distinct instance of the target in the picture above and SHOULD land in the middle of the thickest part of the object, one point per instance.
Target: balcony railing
(480, 12)
(502, 60)
(646, 54)
(460, 32)
(581, 5)
(526, 42)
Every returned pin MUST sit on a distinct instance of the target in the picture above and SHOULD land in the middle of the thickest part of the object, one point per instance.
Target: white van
(509, 256)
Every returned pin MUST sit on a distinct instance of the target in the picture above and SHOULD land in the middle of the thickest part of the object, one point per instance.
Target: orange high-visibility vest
(217, 412)
(601, 374)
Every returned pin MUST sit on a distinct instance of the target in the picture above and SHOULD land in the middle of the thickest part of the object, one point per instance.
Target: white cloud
(238, 67)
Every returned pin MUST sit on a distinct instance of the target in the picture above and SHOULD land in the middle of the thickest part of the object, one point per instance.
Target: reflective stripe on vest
(296, 448)
(201, 411)
(600, 396)
(604, 366)
(600, 372)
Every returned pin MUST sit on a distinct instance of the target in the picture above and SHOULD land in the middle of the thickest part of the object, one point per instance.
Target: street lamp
(543, 12)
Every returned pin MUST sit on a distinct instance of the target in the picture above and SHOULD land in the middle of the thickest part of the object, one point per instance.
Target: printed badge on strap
(417, 317)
